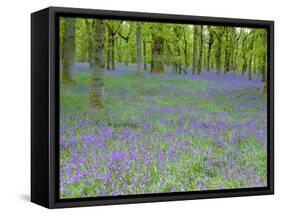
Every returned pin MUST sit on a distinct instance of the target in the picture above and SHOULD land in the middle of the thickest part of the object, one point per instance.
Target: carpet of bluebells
(162, 133)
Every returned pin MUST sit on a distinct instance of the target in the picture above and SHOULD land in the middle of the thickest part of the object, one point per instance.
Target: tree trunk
(227, 53)
(97, 84)
(127, 55)
(112, 57)
(244, 53)
(178, 61)
(209, 58)
(235, 43)
(255, 65)
(251, 59)
(235, 60)
(244, 64)
(231, 56)
(186, 63)
(250, 69)
(219, 35)
(69, 49)
(200, 50)
(144, 56)
(158, 52)
(119, 50)
(263, 69)
(194, 59)
(108, 53)
(177, 51)
(139, 47)
(210, 43)
(218, 57)
(90, 41)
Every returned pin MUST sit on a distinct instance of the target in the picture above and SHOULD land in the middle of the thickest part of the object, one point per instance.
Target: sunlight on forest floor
(162, 133)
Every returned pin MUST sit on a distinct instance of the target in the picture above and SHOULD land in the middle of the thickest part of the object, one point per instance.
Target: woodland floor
(162, 133)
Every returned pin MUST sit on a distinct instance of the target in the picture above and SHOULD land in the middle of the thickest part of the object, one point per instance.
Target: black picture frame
(45, 107)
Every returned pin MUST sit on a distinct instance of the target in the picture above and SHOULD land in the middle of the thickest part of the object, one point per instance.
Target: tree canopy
(185, 47)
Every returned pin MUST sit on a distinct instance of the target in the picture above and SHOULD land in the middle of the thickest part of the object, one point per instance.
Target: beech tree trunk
(139, 48)
(255, 64)
(176, 53)
(195, 54)
(144, 56)
(157, 64)
(219, 35)
(250, 59)
(127, 55)
(210, 43)
(244, 64)
(186, 63)
(69, 49)
(250, 69)
(200, 50)
(263, 69)
(218, 57)
(119, 48)
(112, 57)
(234, 67)
(89, 29)
(97, 83)
(110, 51)
(227, 52)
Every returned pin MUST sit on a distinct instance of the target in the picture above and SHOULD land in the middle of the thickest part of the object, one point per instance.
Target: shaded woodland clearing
(158, 108)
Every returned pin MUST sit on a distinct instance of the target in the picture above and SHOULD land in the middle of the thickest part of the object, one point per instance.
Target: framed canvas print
(138, 107)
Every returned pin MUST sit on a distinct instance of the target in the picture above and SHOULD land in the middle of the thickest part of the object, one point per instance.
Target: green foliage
(230, 47)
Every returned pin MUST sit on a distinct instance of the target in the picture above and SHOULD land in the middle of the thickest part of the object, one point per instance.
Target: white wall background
(15, 106)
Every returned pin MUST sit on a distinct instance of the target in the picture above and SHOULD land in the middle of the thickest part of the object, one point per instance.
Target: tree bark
(186, 63)
(176, 55)
(218, 57)
(244, 64)
(227, 52)
(210, 43)
(219, 35)
(251, 59)
(200, 50)
(139, 47)
(97, 83)
(255, 64)
(69, 49)
(157, 65)
(108, 50)
(112, 57)
(244, 50)
(119, 48)
(127, 54)
(235, 55)
(263, 69)
(89, 26)
(250, 69)
(144, 56)
(194, 59)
